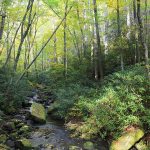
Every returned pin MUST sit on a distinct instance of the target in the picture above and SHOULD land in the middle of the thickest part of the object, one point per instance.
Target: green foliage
(12, 95)
(51, 3)
(122, 101)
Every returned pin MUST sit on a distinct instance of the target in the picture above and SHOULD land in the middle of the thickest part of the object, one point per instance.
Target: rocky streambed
(31, 128)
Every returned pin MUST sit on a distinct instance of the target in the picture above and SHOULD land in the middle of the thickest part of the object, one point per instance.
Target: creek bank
(14, 134)
(24, 132)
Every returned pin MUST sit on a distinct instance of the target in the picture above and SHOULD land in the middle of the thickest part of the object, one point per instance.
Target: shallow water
(53, 134)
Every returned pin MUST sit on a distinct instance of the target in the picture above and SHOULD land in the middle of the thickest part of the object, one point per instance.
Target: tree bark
(99, 50)
(24, 33)
(43, 47)
(65, 42)
(2, 24)
(141, 33)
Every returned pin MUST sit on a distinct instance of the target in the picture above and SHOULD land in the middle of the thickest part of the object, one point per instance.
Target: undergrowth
(101, 110)
(11, 94)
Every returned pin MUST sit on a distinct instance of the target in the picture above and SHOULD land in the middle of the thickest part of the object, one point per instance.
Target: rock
(51, 109)
(2, 113)
(88, 146)
(127, 140)
(23, 144)
(20, 117)
(74, 148)
(13, 136)
(1, 120)
(10, 143)
(38, 113)
(141, 146)
(16, 121)
(49, 146)
(26, 103)
(3, 138)
(24, 129)
(72, 126)
(9, 126)
(4, 147)
(20, 125)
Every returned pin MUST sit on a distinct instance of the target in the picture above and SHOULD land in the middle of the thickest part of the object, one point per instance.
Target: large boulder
(127, 140)
(38, 113)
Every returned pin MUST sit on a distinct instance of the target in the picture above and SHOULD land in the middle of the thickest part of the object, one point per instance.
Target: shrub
(11, 94)
(122, 101)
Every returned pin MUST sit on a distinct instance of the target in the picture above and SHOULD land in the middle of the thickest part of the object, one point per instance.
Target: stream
(54, 136)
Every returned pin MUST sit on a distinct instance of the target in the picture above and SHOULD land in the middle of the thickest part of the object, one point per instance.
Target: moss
(88, 146)
(38, 113)
(24, 144)
(4, 147)
(141, 146)
(3, 138)
(127, 140)
(24, 129)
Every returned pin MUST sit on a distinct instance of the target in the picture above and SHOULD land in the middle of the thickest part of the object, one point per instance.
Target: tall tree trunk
(45, 44)
(99, 49)
(119, 34)
(106, 26)
(82, 33)
(65, 41)
(16, 33)
(141, 32)
(24, 33)
(94, 48)
(77, 47)
(2, 24)
(55, 48)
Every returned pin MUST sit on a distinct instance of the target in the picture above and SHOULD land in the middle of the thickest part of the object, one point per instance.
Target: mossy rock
(2, 113)
(141, 146)
(4, 147)
(74, 148)
(3, 138)
(24, 144)
(16, 121)
(20, 125)
(49, 146)
(24, 129)
(38, 113)
(72, 126)
(8, 126)
(14, 135)
(127, 140)
(88, 146)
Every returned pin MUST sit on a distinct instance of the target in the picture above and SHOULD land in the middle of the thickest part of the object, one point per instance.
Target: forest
(74, 75)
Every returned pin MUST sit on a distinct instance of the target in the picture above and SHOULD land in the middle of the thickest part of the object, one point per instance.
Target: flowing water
(53, 135)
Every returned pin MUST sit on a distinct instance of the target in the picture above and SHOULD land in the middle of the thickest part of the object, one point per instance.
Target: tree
(141, 34)
(98, 53)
